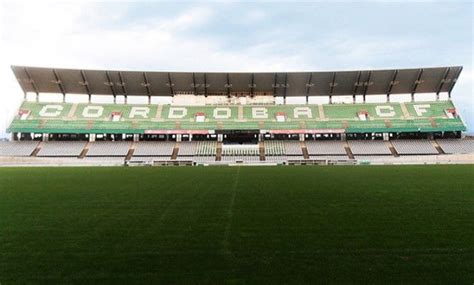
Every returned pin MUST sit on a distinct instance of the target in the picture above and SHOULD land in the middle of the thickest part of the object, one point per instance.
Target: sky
(236, 36)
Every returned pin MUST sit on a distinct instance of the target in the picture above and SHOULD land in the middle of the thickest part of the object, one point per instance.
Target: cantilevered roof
(151, 83)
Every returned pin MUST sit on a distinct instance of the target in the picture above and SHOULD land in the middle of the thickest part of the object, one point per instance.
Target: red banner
(178, 132)
(315, 131)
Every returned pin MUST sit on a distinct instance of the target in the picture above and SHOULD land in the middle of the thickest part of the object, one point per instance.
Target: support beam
(111, 85)
(32, 82)
(453, 82)
(442, 81)
(366, 85)
(170, 84)
(194, 85)
(391, 84)
(286, 87)
(415, 84)
(205, 85)
(147, 85)
(85, 84)
(122, 84)
(252, 85)
(308, 86)
(275, 85)
(331, 87)
(60, 85)
(332, 84)
(228, 85)
(356, 86)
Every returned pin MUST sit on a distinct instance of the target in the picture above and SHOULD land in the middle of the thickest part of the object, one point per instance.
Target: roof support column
(454, 82)
(194, 85)
(367, 84)
(86, 85)
(415, 85)
(60, 85)
(124, 88)
(252, 86)
(228, 85)
(331, 87)
(441, 83)
(111, 85)
(170, 83)
(32, 82)
(275, 86)
(308, 87)
(205, 85)
(391, 83)
(356, 86)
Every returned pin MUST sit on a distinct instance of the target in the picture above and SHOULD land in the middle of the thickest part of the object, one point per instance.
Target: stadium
(192, 118)
(136, 177)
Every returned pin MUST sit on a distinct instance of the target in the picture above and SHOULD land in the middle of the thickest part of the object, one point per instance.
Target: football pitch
(214, 225)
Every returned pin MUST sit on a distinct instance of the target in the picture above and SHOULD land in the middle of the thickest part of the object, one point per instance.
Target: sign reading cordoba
(218, 113)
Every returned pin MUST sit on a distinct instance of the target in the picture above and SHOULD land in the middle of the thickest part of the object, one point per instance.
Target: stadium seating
(245, 153)
(197, 151)
(374, 157)
(274, 148)
(62, 148)
(240, 151)
(188, 148)
(105, 159)
(151, 149)
(279, 158)
(23, 148)
(329, 157)
(243, 158)
(293, 148)
(451, 146)
(365, 147)
(197, 148)
(97, 118)
(149, 159)
(414, 147)
(332, 147)
(204, 159)
(108, 148)
(206, 148)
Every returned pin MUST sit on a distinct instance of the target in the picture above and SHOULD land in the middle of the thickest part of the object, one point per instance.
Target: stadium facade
(237, 117)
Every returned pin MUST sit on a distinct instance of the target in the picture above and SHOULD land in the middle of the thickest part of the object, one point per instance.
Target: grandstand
(225, 118)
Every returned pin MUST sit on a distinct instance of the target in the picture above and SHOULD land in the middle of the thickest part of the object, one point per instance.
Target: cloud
(83, 36)
(114, 36)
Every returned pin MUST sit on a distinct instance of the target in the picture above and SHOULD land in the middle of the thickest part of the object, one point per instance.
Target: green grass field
(214, 225)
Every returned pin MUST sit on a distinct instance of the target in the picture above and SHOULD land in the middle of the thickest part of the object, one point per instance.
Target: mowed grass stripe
(237, 224)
